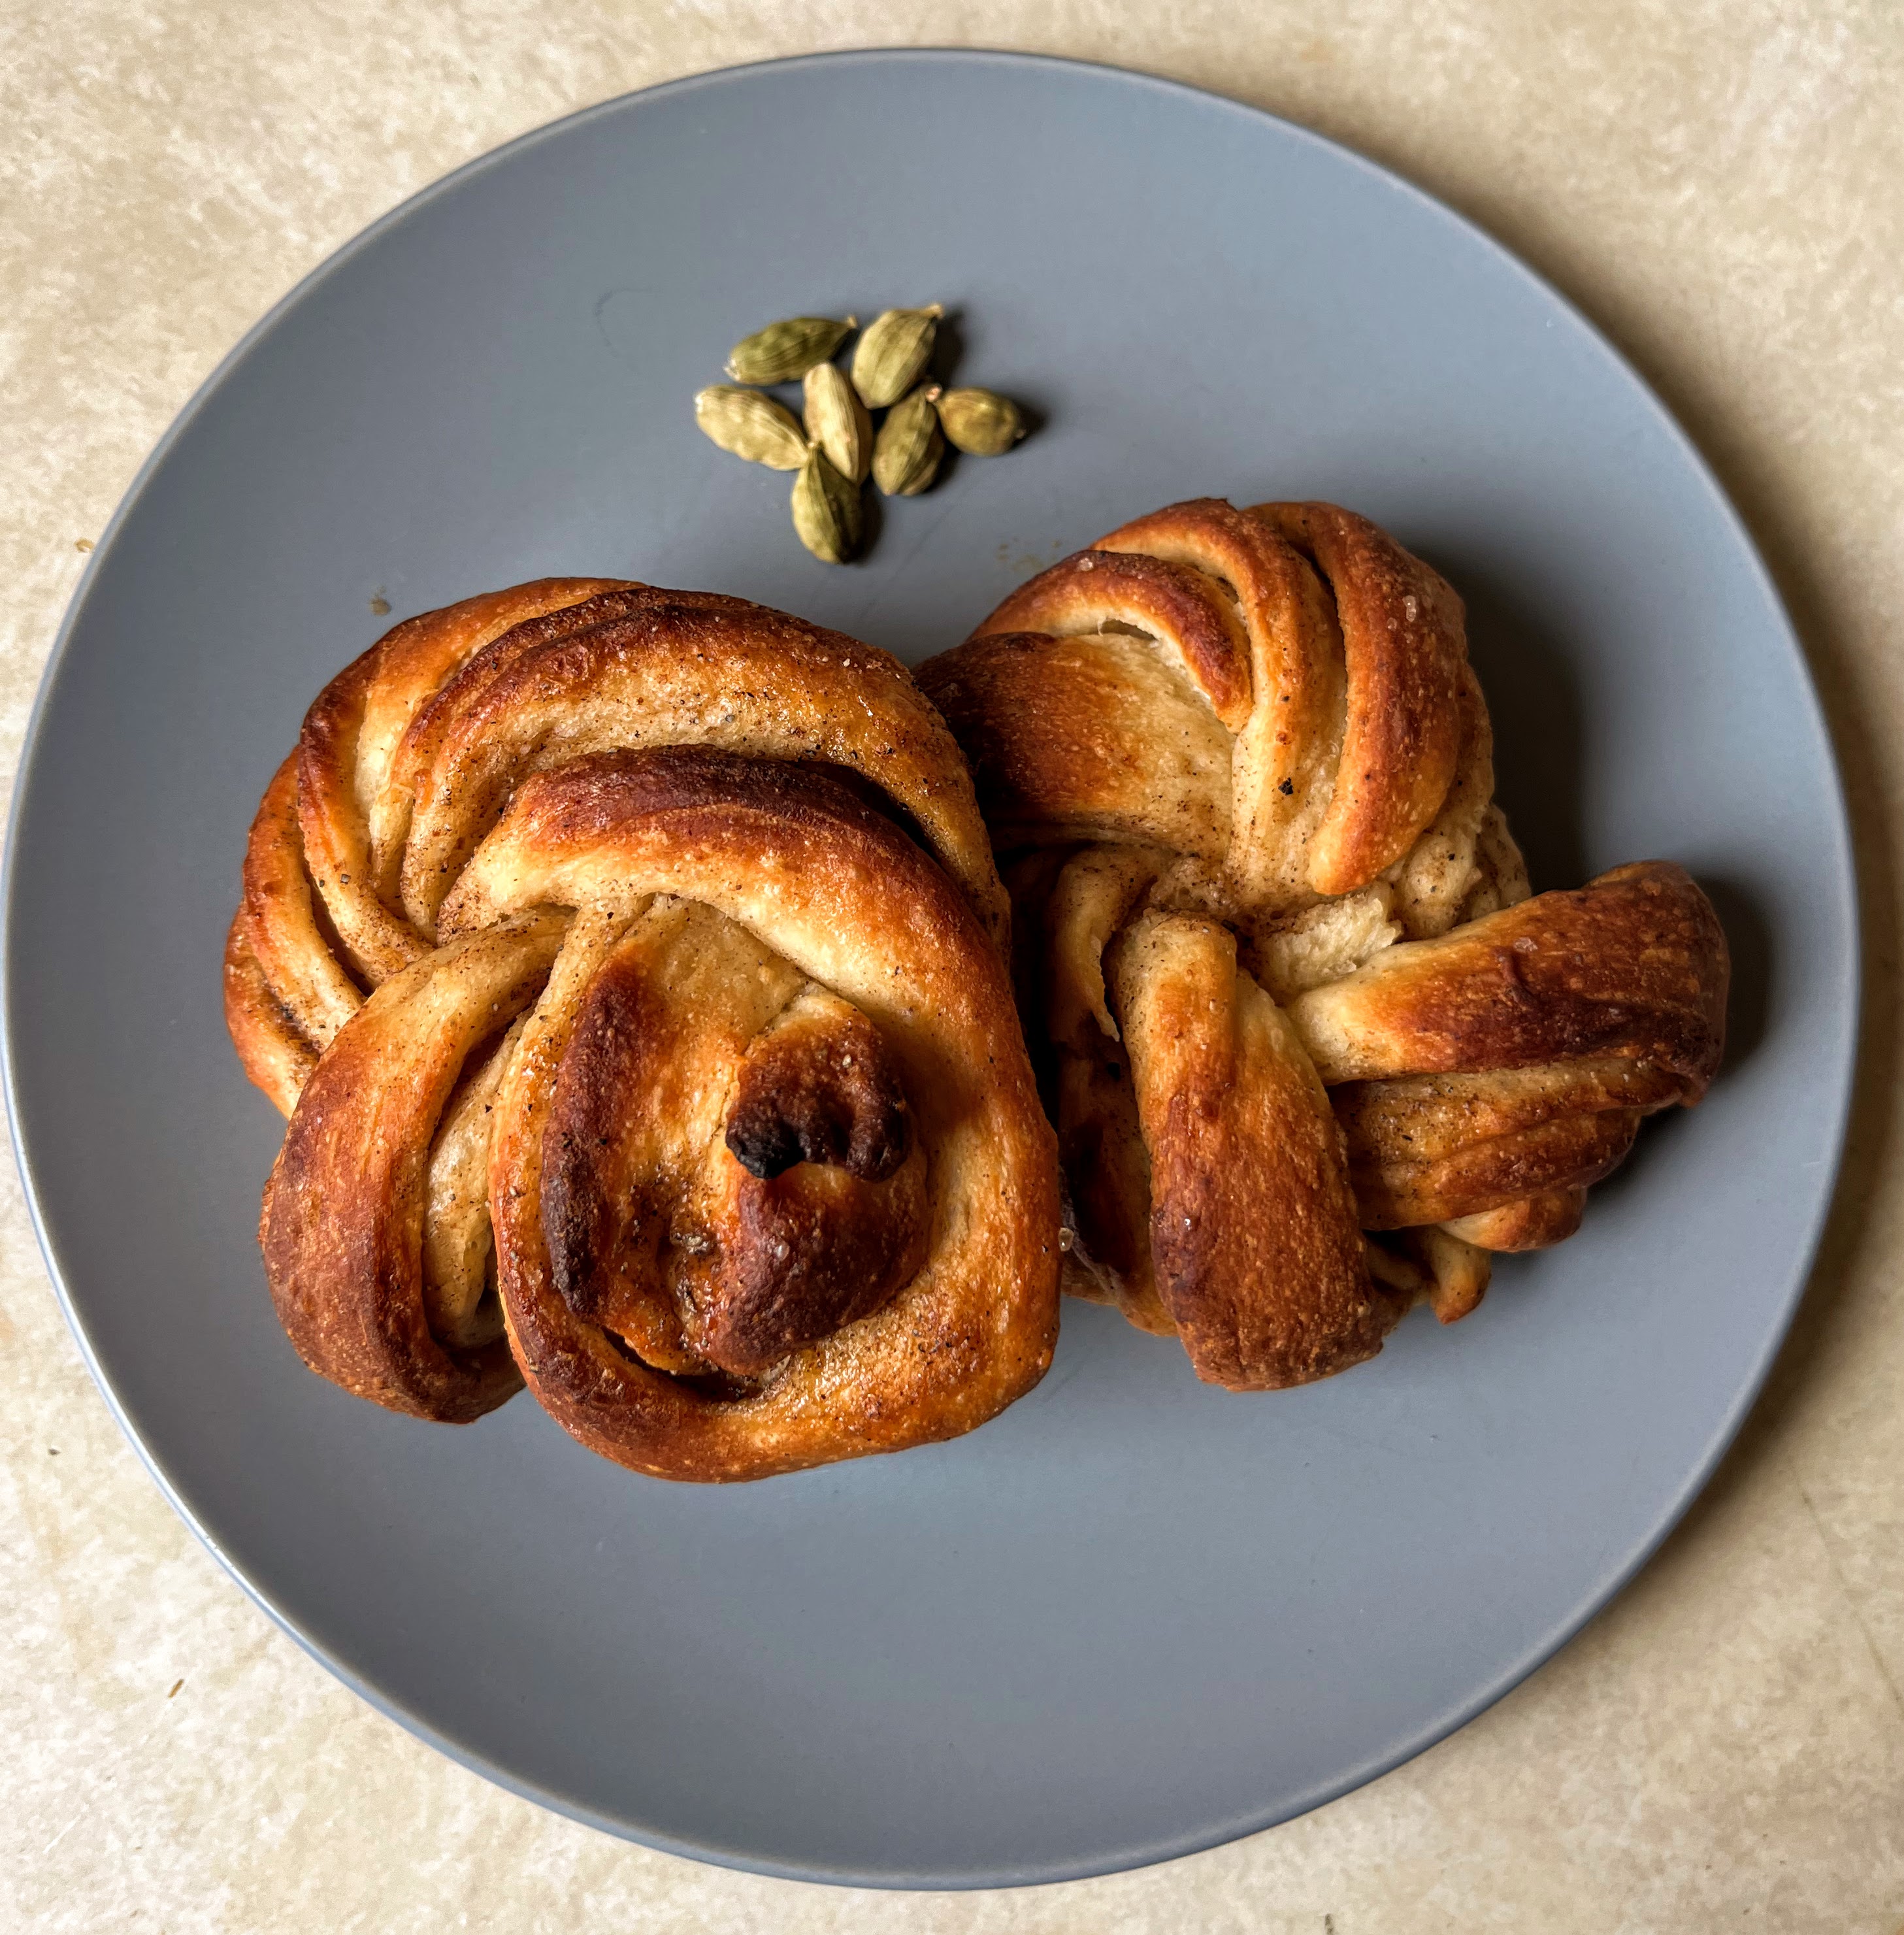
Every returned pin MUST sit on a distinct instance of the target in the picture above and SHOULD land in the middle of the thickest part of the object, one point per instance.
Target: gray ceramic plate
(1134, 1617)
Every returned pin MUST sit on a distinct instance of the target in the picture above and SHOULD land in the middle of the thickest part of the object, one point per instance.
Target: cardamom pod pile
(833, 445)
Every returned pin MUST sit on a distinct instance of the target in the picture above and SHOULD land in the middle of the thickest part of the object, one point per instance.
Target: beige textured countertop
(1721, 184)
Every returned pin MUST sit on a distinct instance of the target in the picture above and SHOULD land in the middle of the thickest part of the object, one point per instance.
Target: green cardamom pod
(752, 426)
(892, 354)
(828, 511)
(783, 352)
(980, 422)
(906, 456)
(837, 422)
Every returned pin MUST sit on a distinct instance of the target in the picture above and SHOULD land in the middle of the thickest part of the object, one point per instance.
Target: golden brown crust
(1084, 739)
(278, 924)
(1428, 1148)
(687, 1247)
(1104, 588)
(313, 921)
(1261, 725)
(839, 893)
(1633, 964)
(272, 1048)
(648, 668)
(1252, 1230)
(343, 1227)
(758, 1179)
(1568, 1152)
(1331, 663)
(1491, 1075)
(1258, 708)
(353, 731)
(1406, 652)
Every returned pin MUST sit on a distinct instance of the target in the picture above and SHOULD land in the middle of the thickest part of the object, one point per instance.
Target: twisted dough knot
(629, 963)
(1276, 951)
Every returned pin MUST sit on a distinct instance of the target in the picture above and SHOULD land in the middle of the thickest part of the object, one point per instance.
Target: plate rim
(1849, 1006)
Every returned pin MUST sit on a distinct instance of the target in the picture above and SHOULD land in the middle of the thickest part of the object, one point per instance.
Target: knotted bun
(1276, 949)
(631, 964)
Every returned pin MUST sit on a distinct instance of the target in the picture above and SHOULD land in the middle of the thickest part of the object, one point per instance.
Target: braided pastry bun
(1312, 1050)
(632, 966)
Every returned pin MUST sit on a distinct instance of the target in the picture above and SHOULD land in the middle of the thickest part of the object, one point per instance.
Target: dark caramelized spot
(802, 1255)
(819, 1087)
(716, 1198)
